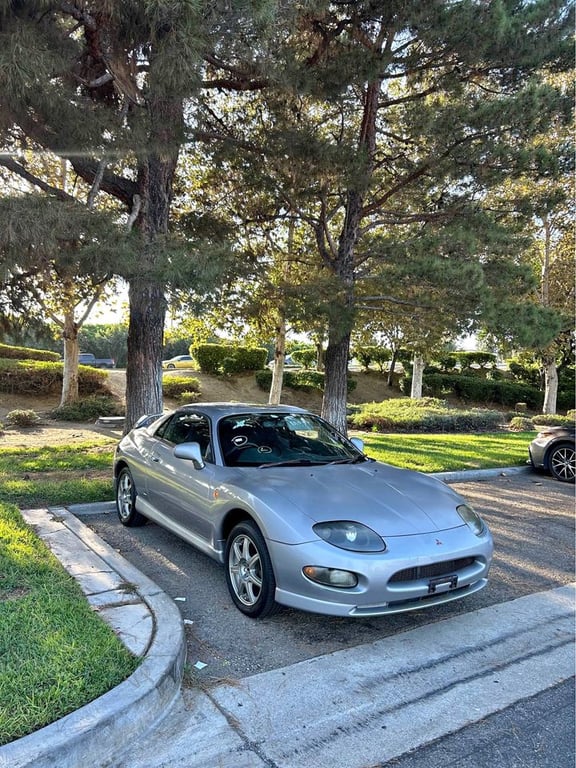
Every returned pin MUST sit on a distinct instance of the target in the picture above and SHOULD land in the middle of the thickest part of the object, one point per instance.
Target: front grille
(445, 568)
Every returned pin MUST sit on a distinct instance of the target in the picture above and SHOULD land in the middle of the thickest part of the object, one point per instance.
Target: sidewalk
(493, 657)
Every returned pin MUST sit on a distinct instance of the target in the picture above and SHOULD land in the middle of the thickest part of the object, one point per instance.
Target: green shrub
(372, 353)
(88, 409)
(304, 380)
(22, 418)
(174, 386)
(470, 388)
(423, 415)
(305, 356)
(552, 420)
(188, 397)
(524, 373)
(33, 377)
(211, 358)
(521, 424)
(481, 359)
(231, 365)
(24, 353)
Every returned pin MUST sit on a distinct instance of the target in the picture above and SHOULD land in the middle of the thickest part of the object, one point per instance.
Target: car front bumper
(414, 572)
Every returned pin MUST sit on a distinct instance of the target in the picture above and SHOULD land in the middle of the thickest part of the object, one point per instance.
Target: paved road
(532, 521)
(466, 685)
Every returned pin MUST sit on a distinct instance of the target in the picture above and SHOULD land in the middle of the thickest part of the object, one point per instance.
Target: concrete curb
(103, 729)
(479, 474)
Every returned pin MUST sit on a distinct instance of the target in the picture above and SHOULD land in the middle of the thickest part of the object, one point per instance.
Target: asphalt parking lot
(532, 520)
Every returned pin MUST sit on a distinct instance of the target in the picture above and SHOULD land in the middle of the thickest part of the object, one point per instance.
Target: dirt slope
(369, 388)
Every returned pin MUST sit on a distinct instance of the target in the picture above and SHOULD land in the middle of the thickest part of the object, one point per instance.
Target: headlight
(352, 536)
(472, 520)
(330, 577)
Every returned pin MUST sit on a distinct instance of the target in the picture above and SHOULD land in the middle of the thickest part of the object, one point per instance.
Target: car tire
(249, 572)
(126, 500)
(562, 462)
(170, 366)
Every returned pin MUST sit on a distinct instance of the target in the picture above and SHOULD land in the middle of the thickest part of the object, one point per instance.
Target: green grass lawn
(56, 654)
(448, 452)
(57, 475)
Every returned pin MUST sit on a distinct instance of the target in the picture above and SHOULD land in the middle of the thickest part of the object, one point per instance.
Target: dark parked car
(298, 514)
(87, 358)
(553, 451)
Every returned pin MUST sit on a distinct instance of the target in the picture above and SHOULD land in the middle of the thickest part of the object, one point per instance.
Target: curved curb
(97, 733)
(480, 474)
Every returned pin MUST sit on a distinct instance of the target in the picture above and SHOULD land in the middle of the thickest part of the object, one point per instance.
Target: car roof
(219, 410)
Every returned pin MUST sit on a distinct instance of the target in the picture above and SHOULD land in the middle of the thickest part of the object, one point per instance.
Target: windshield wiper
(291, 462)
(353, 460)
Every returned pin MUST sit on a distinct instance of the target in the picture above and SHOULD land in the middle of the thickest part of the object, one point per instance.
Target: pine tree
(106, 85)
(395, 119)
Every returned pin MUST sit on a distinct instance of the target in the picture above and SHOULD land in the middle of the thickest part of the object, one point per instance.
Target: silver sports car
(298, 514)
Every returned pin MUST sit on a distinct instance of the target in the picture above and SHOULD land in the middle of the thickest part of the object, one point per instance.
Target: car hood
(391, 501)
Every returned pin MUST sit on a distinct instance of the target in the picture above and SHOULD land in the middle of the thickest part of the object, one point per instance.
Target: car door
(176, 489)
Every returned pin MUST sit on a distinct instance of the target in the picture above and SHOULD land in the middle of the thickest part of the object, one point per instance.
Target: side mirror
(357, 443)
(190, 452)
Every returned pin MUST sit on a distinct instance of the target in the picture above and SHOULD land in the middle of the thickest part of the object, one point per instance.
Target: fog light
(330, 577)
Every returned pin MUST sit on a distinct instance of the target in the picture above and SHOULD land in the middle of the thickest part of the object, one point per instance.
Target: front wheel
(249, 572)
(126, 500)
(562, 463)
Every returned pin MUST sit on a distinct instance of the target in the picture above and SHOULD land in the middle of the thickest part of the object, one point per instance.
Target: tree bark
(417, 376)
(145, 336)
(279, 353)
(70, 368)
(550, 384)
(336, 380)
(147, 300)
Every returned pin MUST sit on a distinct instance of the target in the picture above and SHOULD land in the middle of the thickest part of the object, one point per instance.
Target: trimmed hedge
(424, 415)
(227, 359)
(88, 409)
(175, 386)
(305, 380)
(33, 377)
(24, 353)
(478, 390)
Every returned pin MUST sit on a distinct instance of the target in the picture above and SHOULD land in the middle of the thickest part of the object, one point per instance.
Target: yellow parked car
(180, 361)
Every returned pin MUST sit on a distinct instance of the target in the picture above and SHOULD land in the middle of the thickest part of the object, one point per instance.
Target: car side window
(188, 428)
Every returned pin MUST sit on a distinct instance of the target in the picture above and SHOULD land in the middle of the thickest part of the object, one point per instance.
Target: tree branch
(8, 162)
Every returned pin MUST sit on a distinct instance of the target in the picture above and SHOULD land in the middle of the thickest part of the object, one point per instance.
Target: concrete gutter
(149, 624)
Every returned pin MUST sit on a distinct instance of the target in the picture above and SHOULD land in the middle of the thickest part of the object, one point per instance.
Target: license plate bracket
(442, 584)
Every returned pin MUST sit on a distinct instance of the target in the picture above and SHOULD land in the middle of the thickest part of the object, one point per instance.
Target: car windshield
(273, 439)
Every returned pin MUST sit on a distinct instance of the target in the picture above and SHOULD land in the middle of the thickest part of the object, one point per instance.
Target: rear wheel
(249, 572)
(562, 462)
(126, 500)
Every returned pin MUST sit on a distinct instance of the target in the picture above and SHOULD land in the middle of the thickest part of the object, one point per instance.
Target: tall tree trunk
(275, 395)
(550, 384)
(417, 376)
(336, 379)
(145, 337)
(392, 368)
(70, 368)
(548, 360)
(146, 296)
(340, 325)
